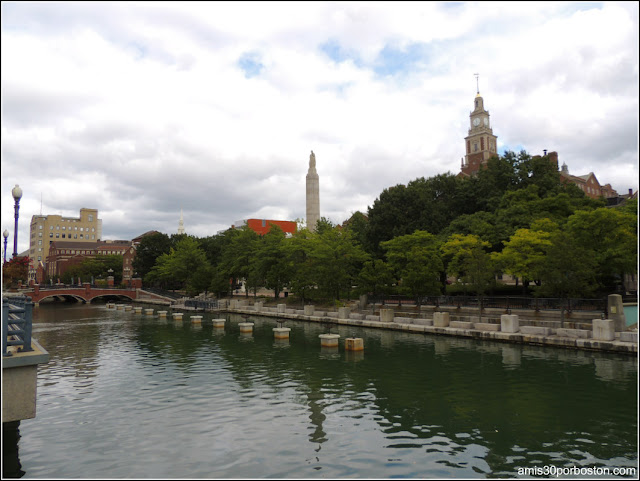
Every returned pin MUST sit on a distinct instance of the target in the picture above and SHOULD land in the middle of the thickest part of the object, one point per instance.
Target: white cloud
(139, 109)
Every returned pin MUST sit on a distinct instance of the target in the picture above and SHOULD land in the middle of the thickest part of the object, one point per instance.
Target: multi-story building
(46, 229)
(63, 255)
(588, 184)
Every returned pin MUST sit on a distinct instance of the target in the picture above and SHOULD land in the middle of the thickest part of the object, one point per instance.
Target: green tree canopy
(416, 260)
(467, 258)
(150, 248)
(185, 266)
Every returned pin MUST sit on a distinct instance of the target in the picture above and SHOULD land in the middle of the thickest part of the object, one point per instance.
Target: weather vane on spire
(477, 84)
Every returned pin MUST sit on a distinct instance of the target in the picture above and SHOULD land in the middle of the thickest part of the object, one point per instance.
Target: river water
(129, 395)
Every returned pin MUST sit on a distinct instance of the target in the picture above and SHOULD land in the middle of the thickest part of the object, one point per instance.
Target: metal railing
(164, 293)
(501, 302)
(213, 304)
(17, 315)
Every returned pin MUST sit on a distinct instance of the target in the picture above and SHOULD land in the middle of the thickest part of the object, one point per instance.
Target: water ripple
(125, 396)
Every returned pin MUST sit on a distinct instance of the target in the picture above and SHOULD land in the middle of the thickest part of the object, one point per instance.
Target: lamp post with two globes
(17, 194)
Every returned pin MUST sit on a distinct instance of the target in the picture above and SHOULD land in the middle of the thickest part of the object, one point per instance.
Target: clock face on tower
(476, 121)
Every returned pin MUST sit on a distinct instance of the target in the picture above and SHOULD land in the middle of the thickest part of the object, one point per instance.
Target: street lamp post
(5, 234)
(17, 194)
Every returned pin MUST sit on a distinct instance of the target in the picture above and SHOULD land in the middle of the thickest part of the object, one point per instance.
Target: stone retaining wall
(442, 324)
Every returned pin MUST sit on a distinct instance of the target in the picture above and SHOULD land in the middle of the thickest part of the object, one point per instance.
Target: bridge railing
(47, 287)
(17, 315)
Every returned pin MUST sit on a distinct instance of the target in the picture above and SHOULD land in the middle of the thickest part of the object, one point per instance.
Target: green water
(126, 395)
(631, 314)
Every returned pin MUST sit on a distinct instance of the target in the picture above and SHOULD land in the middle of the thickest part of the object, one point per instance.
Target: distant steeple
(181, 224)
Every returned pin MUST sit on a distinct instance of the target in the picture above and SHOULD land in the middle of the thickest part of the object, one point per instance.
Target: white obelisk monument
(180, 224)
(313, 194)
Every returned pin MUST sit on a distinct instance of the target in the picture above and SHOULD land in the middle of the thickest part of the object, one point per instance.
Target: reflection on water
(128, 395)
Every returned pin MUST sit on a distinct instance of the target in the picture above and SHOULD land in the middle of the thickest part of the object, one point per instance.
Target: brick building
(63, 255)
(587, 183)
(262, 226)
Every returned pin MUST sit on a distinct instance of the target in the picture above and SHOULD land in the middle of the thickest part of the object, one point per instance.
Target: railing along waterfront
(162, 292)
(213, 304)
(17, 314)
(502, 302)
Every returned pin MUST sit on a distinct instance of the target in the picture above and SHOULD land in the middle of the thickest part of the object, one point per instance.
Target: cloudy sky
(141, 109)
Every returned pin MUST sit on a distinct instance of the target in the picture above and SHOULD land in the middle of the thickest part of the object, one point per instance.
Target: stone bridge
(86, 293)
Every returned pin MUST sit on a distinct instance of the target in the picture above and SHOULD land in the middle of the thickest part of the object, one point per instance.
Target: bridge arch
(66, 296)
(117, 296)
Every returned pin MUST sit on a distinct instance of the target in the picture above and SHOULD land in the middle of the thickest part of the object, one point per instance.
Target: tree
(376, 277)
(612, 235)
(239, 254)
(523, 255)
(14, 270)
(424, 204)
(185, 266)
(416, 260)
(150, 248)
(358, 226)
(568, 269)
(481, 224)
(272, 265)
(468, 260)
(297, 251)
(336, 260)
(540, 171)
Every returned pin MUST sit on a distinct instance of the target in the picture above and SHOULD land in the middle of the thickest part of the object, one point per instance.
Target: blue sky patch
(332, 49)
(250, 64)
(393, 61)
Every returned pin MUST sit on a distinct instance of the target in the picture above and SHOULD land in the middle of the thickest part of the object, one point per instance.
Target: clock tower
(481, 144)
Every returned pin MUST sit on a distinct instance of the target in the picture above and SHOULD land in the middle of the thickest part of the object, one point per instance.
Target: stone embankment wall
(577, 331)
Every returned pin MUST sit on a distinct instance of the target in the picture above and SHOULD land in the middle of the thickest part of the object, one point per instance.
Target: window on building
(40, 226)
(57, 235)
(75, 236)
(90, 217)
(50, 234)
(63, 236)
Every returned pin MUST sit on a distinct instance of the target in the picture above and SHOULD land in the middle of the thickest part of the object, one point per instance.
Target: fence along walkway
(17, 314)
(502, 302)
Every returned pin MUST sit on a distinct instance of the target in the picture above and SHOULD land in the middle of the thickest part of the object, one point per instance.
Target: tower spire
(477, 83)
